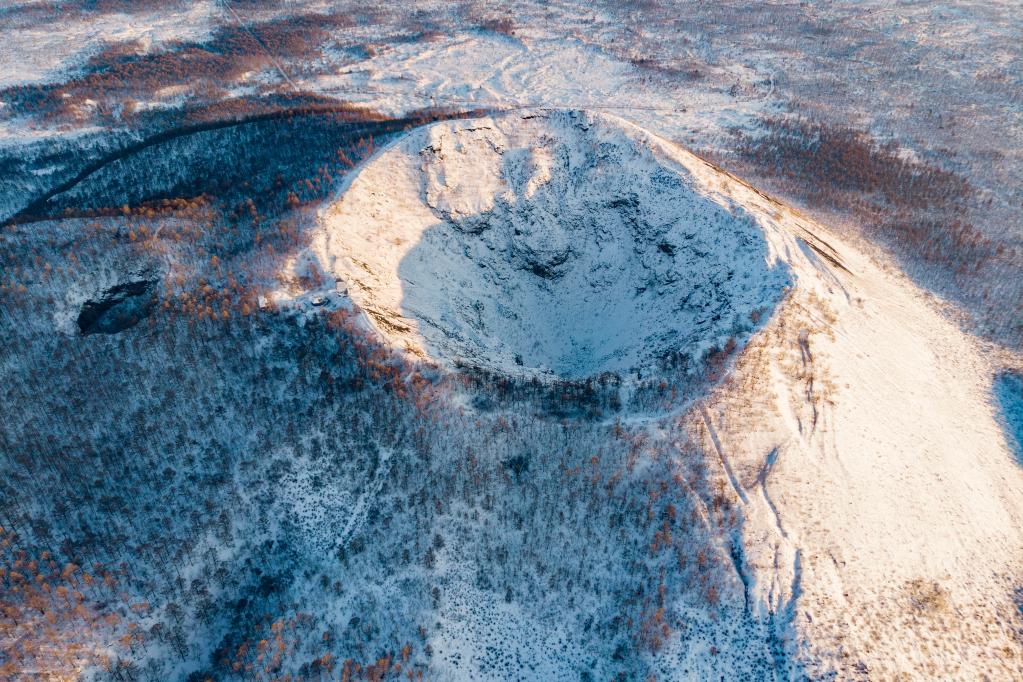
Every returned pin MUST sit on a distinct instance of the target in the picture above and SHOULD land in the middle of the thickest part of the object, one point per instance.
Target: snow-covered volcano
(875, 499)
(561, 243)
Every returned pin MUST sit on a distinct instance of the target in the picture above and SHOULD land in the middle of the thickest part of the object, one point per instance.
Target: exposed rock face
(120, 307)
(563, 244)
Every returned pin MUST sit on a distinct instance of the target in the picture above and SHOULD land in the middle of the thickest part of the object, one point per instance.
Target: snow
(877, 472)
(34, 52)
(550, 243)
(535, 69)
(880, 528)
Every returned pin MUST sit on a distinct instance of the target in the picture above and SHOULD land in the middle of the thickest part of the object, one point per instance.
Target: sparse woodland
(173, 506)
(919, 210)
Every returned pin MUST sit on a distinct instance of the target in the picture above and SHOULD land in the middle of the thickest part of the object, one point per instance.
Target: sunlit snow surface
(41, 42)
(878, 530)
(855, 431)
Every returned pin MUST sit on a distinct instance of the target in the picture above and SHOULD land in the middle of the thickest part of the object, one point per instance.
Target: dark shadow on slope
(1008, 392)
(274, 157)
(119, 308)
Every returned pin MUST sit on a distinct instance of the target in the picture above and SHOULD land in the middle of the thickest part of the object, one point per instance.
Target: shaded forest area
(226, 489)
(278, 158)
(189, 496)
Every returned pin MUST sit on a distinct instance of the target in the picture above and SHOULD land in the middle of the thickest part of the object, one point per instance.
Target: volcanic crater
(559, 244)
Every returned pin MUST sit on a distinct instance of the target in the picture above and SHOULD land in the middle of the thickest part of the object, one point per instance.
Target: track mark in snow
(721, 453)
(762, 480)
(814, 255)
(738, 557)
(807, 357)
(796, 590)
(832, 259)
(787, 626)
(804, 347)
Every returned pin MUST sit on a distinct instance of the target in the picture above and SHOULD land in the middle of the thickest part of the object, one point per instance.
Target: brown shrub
(503, 25)
(126, 6)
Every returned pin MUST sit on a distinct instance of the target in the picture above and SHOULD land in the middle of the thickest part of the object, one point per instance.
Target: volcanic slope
(881, 511)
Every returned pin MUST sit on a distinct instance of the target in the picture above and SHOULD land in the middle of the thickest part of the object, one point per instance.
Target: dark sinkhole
(120, 307)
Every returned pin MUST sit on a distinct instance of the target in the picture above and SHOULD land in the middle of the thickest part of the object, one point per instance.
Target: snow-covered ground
(939, 80)
(41, 42)
(845, 501)
(536, 68)
(884, 507)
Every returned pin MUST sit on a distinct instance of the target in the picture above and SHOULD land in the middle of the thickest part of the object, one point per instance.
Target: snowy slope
(881, 510)
(884, 509)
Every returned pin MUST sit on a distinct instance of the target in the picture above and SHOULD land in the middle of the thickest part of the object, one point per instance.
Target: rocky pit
(557, 244)
(118, 308)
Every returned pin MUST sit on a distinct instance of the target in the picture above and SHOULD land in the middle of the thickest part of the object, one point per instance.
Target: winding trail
(739, 490)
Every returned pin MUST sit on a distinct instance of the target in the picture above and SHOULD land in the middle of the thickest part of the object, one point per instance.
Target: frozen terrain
(34, 52)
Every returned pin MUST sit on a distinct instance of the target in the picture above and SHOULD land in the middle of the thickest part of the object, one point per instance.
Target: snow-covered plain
(41, 41)
(534, 69)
